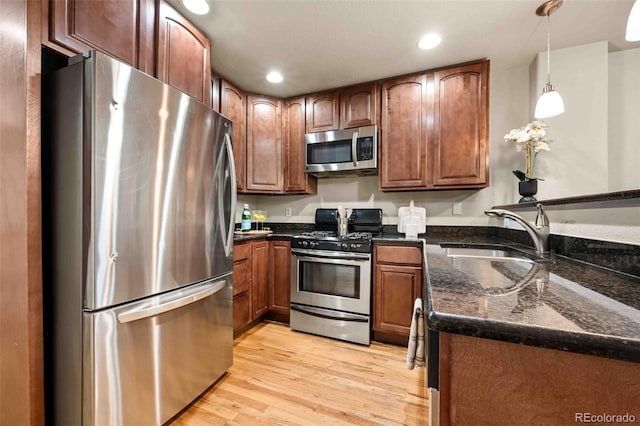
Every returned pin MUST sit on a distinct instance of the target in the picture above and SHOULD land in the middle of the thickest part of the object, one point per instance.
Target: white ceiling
(319, 44)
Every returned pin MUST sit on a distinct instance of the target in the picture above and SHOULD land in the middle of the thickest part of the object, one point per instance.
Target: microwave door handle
(354, 149)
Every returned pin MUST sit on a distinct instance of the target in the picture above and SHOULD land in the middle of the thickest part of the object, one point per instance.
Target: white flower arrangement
(530, 138)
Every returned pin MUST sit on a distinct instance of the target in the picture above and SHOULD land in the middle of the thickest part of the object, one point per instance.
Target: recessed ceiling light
(429, 41)
(274, 77)
(199, 7)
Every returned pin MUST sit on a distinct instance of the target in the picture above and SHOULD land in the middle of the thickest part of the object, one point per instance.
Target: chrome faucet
(539, 232)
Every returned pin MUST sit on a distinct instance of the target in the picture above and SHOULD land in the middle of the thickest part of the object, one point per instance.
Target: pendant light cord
(548, 48)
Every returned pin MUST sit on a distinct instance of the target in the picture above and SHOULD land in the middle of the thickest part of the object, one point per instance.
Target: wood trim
(21, 363)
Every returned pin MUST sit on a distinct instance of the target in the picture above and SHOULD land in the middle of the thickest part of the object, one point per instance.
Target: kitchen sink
(489, 252)
(496, 269)
(494, 253)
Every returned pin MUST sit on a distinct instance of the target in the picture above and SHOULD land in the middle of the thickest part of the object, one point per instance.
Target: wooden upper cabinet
(406, 112)
(460, 143)
(123, 29)
(233, 106)
(264, 144)
(184, 55)
(359, 106)
(323, 112)
(296, 181)
(215, 92)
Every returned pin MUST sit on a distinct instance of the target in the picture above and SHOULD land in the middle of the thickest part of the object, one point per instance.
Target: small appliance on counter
(331, 276)
(412, 220)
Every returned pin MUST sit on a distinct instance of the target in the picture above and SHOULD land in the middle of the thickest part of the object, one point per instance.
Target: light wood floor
(282, 377)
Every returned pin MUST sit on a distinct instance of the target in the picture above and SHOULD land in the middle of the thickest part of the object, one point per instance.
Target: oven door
(332, 280)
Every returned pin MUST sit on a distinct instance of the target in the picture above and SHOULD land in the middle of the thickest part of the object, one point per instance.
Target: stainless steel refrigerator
(139, 207)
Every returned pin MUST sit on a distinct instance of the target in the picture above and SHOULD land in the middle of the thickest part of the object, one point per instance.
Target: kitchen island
(550, 342)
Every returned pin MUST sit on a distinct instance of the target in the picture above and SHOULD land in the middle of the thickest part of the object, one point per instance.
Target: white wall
(624, 120)
(509, 108)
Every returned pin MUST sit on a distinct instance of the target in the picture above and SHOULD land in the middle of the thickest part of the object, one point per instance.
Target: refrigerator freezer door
(146, 361)
(155, 186)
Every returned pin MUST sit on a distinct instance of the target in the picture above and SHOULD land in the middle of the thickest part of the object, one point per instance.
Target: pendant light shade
(550, 102)
(633, 23)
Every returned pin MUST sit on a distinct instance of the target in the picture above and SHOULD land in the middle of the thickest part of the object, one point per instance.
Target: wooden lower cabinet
(490, 382)
(241, 310)
(280, 283)
(397, 283)
(242, 266)
(259, 278)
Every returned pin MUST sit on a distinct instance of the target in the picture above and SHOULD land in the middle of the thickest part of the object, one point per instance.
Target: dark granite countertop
(558, 303)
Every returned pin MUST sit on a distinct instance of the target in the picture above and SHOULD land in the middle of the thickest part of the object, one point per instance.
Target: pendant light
(633, 24)
(550, 102)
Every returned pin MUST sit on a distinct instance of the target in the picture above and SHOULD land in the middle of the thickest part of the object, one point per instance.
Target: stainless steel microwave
(350, 151)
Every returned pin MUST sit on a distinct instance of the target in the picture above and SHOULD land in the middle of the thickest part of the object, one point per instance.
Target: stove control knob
(345, 245)
(305, 243)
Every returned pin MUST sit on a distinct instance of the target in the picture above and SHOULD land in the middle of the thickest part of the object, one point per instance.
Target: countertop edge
(611, 347)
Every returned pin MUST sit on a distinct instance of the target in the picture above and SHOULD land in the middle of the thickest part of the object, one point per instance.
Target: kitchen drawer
(241, 276)
(398, 255)
(241, 310)
(241, 251)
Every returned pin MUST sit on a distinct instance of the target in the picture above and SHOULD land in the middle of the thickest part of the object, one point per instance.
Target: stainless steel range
(331, 277)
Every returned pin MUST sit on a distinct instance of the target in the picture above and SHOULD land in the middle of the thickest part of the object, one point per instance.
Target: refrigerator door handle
(170, 305)
(228, 244)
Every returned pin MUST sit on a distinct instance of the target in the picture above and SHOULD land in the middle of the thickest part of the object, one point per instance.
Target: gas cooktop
(332, 236)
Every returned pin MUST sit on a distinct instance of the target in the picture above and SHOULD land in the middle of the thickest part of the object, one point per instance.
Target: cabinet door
(184, 55)
(406, 110)
(233, 106)
(264, 144)
(296, 181)
(359, 106)
(241, 311)
(242, 264)
(123, 29)
(280, 288)
(241, 268)
(322, 112)
(461, 126)
(259, 278)
(395, 290)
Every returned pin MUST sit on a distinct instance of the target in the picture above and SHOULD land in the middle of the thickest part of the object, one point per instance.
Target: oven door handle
(341, 316)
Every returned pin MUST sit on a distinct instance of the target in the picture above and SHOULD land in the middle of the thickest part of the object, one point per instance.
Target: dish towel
(415, 351)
